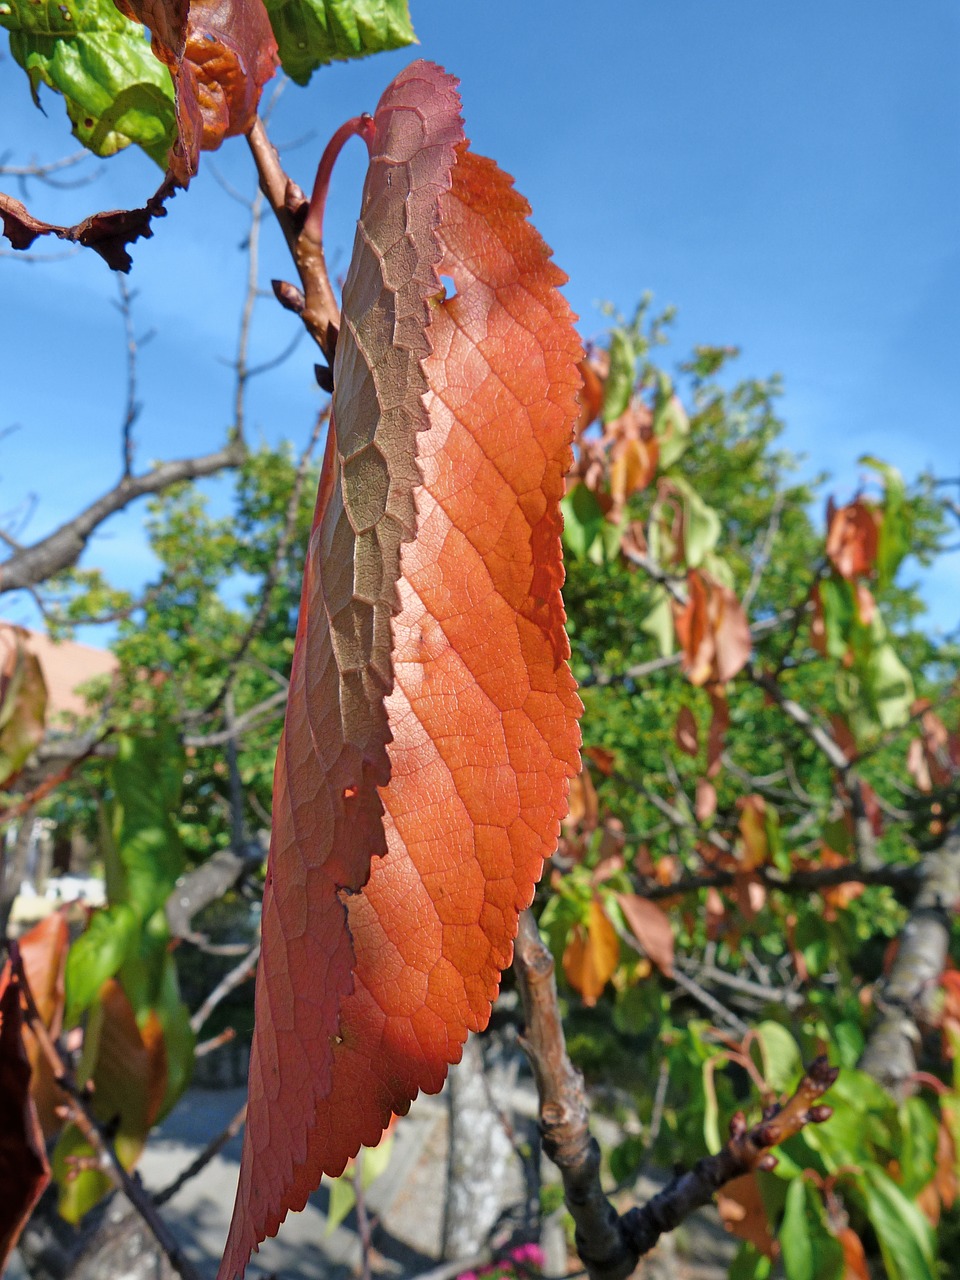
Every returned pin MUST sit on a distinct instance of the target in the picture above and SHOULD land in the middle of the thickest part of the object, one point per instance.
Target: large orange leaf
(431, 727)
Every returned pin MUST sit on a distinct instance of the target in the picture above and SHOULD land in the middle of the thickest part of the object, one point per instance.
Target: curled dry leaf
(24, 1172)
(713, 631)
(592, 954)
(167, 22)
(108, 233)
(432, 720)
(221, 53)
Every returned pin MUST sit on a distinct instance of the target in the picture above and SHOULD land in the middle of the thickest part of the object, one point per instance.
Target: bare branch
(899, 875)
(262, 710)
(611, 1245)
(61, 549)
(764, 553)
(237, 976)
(213, 1148)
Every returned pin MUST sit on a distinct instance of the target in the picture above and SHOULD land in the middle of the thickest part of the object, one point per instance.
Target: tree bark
(905, 999)
(479, 1156)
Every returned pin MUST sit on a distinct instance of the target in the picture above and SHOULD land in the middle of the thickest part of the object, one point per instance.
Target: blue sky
(787, 175)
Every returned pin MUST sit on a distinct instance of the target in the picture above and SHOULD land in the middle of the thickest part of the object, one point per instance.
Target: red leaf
(651, 927)
(431, 726)
(167, 21)
(24, 1171)
(719, 724)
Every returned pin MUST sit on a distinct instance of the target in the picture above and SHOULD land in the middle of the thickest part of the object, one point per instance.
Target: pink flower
(531, 1253)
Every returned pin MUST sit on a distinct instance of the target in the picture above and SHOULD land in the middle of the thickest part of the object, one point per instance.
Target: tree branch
(611, 1245)
(904, 998)
(61, 549)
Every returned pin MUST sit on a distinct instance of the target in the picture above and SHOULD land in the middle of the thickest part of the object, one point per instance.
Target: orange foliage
(431, 726)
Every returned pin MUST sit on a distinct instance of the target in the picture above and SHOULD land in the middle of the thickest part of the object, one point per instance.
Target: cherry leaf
(431, 725)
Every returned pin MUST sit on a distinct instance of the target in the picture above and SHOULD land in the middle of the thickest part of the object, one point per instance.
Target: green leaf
(907, 1240)
(782, 1064)
(582, 519)
(342, 1199)
(116, 90)
(839, 614)
(809, 1251)
(749, 1264)
(97, 955)
(849, 1042)
(889, 686)
(622, 376)
(147, 777)
(311, 33)
(671, 425)
(711, 1110)
(78, 1194)
(178, 1037)
(658, 622)
(894, 541)
(701, 527)
(375, 1161)
(918, 1153)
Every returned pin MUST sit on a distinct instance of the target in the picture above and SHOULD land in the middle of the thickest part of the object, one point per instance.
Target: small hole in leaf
(449, 288)
(349, 793)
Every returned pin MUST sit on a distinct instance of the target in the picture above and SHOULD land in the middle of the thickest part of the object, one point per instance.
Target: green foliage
(138, 1044)
(116, 91)
(311, 33)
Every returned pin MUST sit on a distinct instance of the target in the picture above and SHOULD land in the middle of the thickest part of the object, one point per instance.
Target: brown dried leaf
(107, 233)
(651, 927)
(852, 539)
(686, 734)
(742, 1212)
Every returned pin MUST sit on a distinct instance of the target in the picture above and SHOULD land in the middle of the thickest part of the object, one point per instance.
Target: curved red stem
(362, 126)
